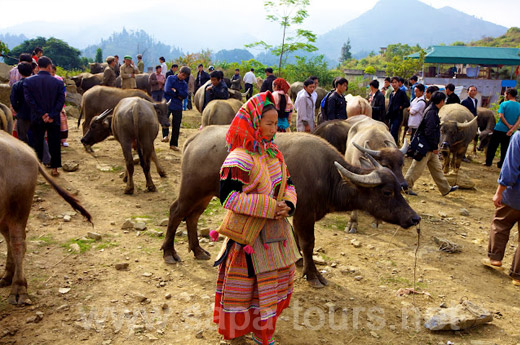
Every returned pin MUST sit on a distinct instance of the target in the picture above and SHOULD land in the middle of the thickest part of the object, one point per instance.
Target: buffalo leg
(177, 214)
(353, 223)
(7, 277)
(191, 224)
(446, 161)
(17, 245)
(305, 230)
(127, 153)
(146, 162)
(160, 169)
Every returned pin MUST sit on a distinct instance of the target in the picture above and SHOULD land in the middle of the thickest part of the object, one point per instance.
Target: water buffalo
(18, 177)
(97, 67)
(313, 164)
(298, 86)
(359, 136)
(142, 81)
(198, 98)
(458, 128)
(357, 105)
(134, 120)
(6, 119)
(86, 81)
(220, 112)
(100, 98)
(486, 124)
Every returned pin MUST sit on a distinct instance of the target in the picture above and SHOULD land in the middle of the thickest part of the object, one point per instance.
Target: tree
(3, 50)
(99, 55)
(288, 13)
(346, 54)
(405, 67)
(60, 52)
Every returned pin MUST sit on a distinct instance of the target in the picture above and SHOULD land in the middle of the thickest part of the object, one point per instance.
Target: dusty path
(154, 302)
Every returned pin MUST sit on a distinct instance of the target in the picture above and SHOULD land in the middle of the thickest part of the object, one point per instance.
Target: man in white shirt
(416, 109)
(164, 67)
(249, 80)
(316, 84)
(304, 105)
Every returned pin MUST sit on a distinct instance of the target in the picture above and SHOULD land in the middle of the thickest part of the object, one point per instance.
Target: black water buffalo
(142, 81)
(86, 81)
(313, 165)
(134, 119)
(486, 124)
(18, 177)
(458, 128)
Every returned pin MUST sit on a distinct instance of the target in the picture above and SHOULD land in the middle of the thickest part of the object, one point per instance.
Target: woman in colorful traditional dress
(283, 104)
(256, 271)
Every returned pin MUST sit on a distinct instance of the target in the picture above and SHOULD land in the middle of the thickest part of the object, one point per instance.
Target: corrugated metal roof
(471, 55)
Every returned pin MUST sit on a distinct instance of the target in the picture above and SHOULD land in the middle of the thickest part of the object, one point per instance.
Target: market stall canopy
(488, 56)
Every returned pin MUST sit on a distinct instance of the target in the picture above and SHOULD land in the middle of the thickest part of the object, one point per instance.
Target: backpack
(322, 115)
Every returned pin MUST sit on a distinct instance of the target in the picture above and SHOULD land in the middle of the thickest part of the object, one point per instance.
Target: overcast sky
(244, 16)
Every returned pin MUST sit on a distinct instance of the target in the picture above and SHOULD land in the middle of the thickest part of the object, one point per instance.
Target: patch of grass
(327, 258)
(117, 168)
(106, 244)
(44, 240)
(403, 282)
(214, 206)
(83, 243)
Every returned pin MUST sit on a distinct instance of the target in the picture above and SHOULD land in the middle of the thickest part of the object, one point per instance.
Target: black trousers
(53, 139)
(249, 90)
(497, 138)
(176, 127)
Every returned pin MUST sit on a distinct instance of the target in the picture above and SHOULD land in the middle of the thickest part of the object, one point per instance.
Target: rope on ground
(415, 261)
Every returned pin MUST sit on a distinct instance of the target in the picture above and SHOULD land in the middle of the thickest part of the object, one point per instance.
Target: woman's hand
(282, 210)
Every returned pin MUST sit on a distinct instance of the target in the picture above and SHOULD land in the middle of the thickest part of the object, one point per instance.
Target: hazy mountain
(408, 22)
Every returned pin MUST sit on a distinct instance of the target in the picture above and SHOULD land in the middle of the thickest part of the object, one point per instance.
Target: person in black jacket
(336, 104)
(202, 77)
(471, 102)
(428, 134)
(268, 82)
(172, 71)
(20, 106)
(398, 102)
(452, 96)
(377, 101)
(217, 89)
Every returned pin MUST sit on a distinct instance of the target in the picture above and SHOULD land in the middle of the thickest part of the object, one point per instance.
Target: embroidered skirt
(245, 304)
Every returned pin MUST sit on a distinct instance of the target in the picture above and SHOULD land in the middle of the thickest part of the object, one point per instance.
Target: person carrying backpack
(417, 107)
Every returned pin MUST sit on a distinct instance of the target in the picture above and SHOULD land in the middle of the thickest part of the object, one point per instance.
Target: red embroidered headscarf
(282, 85)
(245, 129)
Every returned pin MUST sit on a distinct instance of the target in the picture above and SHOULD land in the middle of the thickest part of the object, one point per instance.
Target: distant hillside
(387, 22)
(510, 39)
(12, 40)
(233, 55)
(133, 43)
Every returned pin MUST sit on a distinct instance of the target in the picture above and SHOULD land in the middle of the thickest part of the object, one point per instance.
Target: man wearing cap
(140, 63)
(202, 77)
(128, 72)
(109, 74)
(268, 82)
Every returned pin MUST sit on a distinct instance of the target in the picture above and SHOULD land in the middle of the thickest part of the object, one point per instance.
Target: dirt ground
(80, 298)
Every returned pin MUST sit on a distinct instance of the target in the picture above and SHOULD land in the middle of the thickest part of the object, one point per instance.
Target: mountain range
(389, 21)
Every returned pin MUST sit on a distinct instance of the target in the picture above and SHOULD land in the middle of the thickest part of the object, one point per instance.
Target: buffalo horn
(370, 180)
(104, 114)
(404, 149)
(375, 163)
(370, 152)
(466, 124)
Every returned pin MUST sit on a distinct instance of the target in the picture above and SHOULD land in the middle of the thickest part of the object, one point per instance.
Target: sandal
(55, 173)
(487, 262)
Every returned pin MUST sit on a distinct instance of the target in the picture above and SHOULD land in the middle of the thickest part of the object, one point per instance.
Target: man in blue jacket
(45, 96)
(175, 91)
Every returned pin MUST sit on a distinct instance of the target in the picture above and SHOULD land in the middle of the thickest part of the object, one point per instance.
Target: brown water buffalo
(335, 132)
(97, 67)
(198, 98)
(134, 119)
(313, 164)
(298, 86)
(86, 81)
(142, 81)
(486, 124)
(18, 177)
(6, 119)
(220, 112)
(100, 98)
(357, 105)
(458, 128)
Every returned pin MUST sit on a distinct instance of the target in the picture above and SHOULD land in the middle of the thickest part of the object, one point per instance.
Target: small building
(465, 66)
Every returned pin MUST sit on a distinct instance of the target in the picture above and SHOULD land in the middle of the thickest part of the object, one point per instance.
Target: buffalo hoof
(201, 254)
(129, 191)
(162, 174)
(351, 228)
(19, 299)
(152, 188)
(315, 283)
(299, 263)
(171, 259)
(125, 178)
(88, 148)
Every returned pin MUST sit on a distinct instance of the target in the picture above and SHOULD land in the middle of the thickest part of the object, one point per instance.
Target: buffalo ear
(107, 122)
